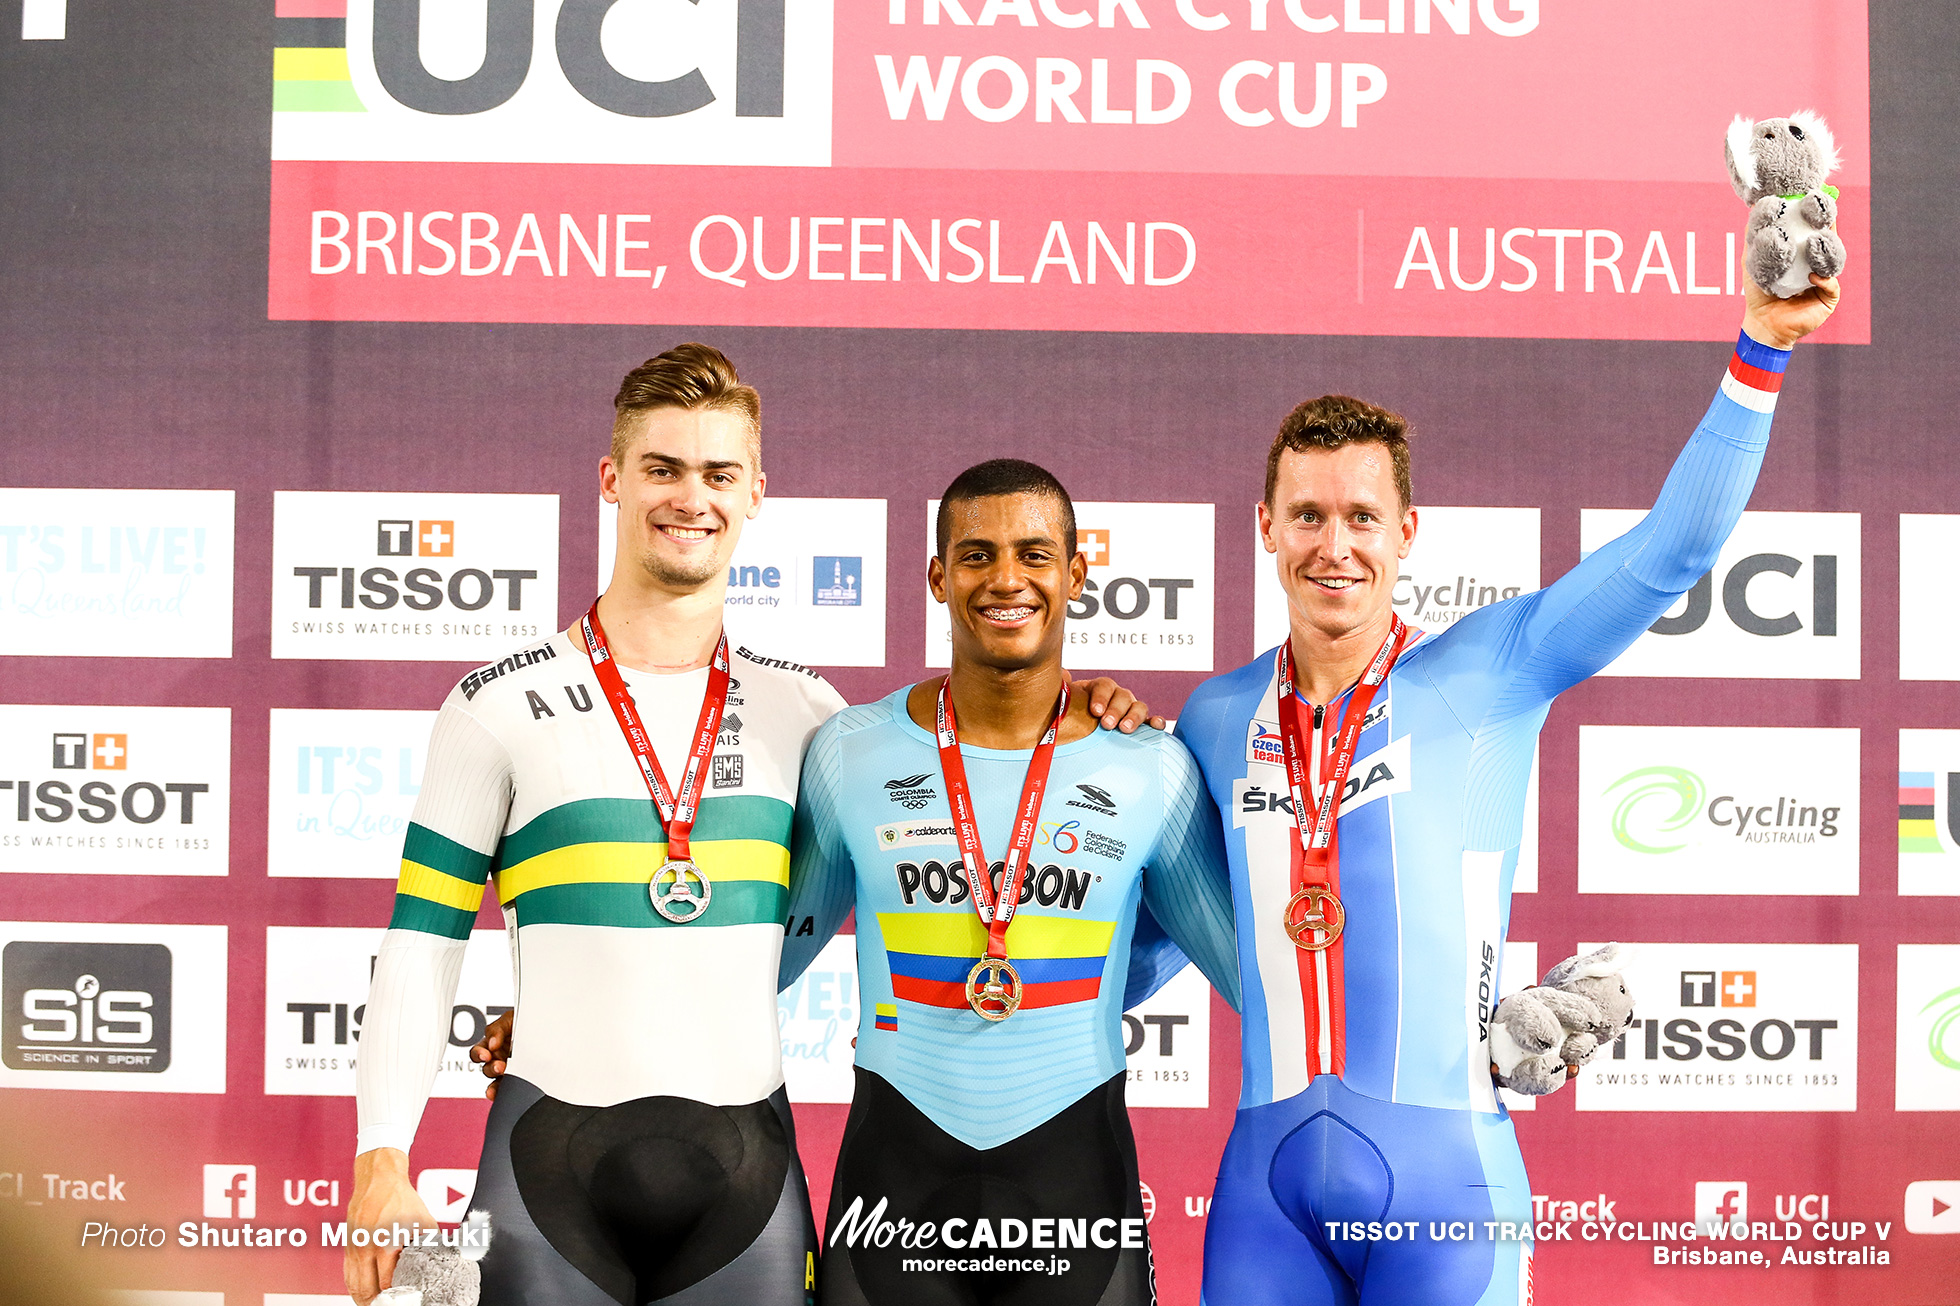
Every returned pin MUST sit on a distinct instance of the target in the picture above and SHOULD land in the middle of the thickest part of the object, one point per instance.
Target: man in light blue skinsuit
(1368, 958)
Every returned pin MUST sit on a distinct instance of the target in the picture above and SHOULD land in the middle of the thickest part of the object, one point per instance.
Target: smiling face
(1338, 528)
(1007, 579)
(685, 482)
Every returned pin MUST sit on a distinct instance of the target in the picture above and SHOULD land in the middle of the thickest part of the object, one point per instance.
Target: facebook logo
(1722, 1204)
(231, 1192)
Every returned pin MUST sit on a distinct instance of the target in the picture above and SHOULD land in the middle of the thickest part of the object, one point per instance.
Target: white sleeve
(446, 861)
(403, 1034)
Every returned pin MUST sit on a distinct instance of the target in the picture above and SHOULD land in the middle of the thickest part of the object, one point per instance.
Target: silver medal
(680, 892)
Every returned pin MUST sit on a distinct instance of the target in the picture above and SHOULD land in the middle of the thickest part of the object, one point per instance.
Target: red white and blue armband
(1755, 374)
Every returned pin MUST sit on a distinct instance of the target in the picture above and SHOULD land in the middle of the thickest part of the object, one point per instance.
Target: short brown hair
(1332, 421)
(687, 376)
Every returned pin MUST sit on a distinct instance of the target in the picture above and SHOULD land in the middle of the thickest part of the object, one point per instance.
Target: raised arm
(1187, 888)
(446, 858)
(822, 878)
(1564, 633)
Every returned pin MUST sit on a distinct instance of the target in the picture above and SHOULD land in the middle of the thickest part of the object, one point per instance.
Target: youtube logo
(1933, 1206)
(447, 1193)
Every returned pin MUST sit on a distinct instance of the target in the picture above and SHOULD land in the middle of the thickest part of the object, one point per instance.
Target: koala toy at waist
(1540, 1036)
(1777, 167)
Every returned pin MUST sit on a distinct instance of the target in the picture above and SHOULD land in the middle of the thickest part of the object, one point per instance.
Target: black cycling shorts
(1052, 1218)
(661, 1199)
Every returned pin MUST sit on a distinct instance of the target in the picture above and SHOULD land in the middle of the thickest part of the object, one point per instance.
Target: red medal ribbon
(995, 911)
(676, 811)
(1316, 832)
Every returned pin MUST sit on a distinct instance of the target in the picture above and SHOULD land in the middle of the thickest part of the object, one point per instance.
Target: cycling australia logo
(1733, 1027)
(518, 83)
(115, 790)
(1718, 809)
(1928, 1054)
(412, 577)
(1656, 802)
(912, 792)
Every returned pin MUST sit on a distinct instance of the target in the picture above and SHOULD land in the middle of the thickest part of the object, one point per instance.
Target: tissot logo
(316, 988)
(701, 84)
(412, 576)
(1167, 1044)
(86, 1006)
(115, 790)
(1733, 1027)
(1148, 601)
(911, 792)
(944, 882)
(1929, 625)
(1782, 601)
(1718, 809)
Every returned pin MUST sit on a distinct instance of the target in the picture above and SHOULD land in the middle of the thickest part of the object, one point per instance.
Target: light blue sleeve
(1187, 888)
(822, 877)
(1511, 659)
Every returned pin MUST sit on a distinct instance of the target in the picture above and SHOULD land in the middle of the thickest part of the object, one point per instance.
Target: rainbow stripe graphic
(1917, 833)
(1060, 960)
(309, 58)
(1755, 375)
(886, 1017)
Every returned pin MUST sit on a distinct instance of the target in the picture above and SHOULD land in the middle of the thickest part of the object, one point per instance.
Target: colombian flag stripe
(960, 934)
(953, 970)
(938, 993)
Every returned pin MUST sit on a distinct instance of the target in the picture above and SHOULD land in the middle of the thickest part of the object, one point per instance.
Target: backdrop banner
(314, 311)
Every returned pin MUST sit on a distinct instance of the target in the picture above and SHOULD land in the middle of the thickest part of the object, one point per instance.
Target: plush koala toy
(1539, 1037)
(439, 1276)
(1778, 167)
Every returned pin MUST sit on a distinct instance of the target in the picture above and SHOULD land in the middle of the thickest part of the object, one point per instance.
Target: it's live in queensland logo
(1929, 812)
(341, 788)
(1718, 809)
(116, 573)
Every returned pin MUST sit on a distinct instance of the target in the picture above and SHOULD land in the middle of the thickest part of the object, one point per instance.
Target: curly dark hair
(1335, 420)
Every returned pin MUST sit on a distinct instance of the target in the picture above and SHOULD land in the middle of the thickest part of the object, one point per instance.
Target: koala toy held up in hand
(1778, 167)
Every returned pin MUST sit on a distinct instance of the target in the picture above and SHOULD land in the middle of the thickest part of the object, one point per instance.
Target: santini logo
(1658, 803)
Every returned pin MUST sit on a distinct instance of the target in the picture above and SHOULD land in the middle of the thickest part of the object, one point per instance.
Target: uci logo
(727, 82)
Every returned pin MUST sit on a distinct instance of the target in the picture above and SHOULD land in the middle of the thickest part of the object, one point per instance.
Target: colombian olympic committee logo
(1647, 792)
(1061, 836)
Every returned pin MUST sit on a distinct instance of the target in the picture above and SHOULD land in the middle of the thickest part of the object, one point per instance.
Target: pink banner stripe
(310, 9)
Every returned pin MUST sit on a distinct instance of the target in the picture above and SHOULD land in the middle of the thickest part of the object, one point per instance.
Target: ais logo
(86, 1006)
(729, 82)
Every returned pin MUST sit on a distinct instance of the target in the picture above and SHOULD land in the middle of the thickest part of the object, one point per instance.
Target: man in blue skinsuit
(1372, 902)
